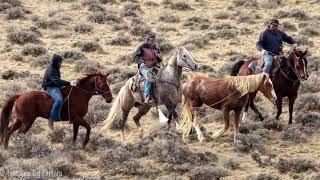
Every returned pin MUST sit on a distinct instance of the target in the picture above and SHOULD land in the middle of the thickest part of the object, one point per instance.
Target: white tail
(114, 110)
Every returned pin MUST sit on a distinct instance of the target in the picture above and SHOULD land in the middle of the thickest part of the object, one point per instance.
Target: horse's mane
(87, 77)
(245, 84)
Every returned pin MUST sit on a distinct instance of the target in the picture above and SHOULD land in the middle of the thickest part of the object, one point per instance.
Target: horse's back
(33, 102)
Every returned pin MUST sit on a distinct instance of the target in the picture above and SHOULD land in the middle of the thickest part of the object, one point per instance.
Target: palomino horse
(286, 79)
(168, 88)
(225, 94)
(33, 104)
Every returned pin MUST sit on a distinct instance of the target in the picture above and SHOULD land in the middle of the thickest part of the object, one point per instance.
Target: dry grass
(105, 34)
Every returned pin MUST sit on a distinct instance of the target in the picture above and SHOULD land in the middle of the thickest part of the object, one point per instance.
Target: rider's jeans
(57, 97)
(148, 86)
(268, 59)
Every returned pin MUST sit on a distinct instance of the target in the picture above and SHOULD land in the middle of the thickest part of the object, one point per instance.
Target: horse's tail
(114, 109)
(5, 115)
(186, 118)
(236, 67)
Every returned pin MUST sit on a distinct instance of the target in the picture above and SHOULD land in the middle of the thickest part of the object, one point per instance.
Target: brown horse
(33, 104)
(225, 94)
(286, 80)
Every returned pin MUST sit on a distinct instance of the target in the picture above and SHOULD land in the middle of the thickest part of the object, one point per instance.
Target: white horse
(167, 90)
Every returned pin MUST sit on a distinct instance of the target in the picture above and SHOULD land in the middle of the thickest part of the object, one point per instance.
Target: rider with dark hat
(270, 43)
(148, 57)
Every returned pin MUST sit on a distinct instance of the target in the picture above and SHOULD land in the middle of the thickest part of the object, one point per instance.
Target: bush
(226, 33)
(121, 40)
(88, 46)
(197, 22)
(180, 5)
(164, 28)
(108, 1)
(249, 128)
(71, 55)
(208, 172)
(11, 74)
(140, 30)
(303, 40)
(309, 119)
(248, 143)
(49, 24)
(125, 59)
(245, 19)
(310, 30)
(293, 134)
(287, 26)
(297, 165)
(22, 36)
(204, 68)
(95, 7)
(83, 28)
(131, 9)
(25, 147)
(166, 151)
(102, 17)
(57, 135)
(223, 15)
(120, 74)
(312, 85)
(34, 82)
(118, 161)
(298, 14)
(308, 102)
(197, 41)
(33, 50)
(164, 45)
(15, 13)
(54, 11)
(151, 3)
(98, 111)
(273, 124)
(87, 2)
(245, 3)
(166, 17)
(231, 163)
(17, 57)
(118, 27)
(263, 176)
(88, 66)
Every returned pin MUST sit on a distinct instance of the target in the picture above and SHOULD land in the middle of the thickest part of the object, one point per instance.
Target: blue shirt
(272, 41)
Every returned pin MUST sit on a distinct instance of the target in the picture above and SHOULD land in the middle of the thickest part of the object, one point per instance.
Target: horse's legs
(123, 120)
(279, 107)
(197, 126)
(75, 131)
(226, 114)
(83, 123)
(13, 127)
(142, 110)
(253, 107)
(291, 102)
(236, 124)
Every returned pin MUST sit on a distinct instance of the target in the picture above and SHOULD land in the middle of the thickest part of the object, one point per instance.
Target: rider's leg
(148, 86)
(57, 97)
(268, 59)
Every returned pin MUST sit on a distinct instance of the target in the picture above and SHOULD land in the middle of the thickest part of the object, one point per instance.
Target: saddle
(257, 64)
(137, 88)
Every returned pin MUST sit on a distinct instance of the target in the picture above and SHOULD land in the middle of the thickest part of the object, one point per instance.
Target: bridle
(96, 91)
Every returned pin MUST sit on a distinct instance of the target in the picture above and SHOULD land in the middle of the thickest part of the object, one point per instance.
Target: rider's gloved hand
(264, 52)
(73, 83)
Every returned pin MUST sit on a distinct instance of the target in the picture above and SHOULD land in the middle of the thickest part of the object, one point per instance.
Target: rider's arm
(261, 41)
(138, 55)
(287, 39)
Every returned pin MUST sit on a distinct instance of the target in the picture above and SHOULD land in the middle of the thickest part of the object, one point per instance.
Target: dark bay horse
(30, 105)
(224, 94)
(286, 80)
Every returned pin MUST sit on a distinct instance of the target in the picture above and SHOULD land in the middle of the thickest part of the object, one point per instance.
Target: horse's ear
(305, 52)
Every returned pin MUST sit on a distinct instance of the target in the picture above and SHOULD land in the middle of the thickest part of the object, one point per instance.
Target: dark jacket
(272, 41)
(52, 75)
(139, 55)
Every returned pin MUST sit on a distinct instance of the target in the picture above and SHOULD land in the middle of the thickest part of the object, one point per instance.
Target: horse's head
(97, 84)
(185, 59)
(266, 88)
(300, 63)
